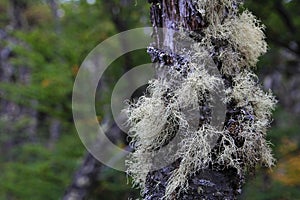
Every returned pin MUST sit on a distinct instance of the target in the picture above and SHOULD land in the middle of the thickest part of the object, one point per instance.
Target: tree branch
(285, 16)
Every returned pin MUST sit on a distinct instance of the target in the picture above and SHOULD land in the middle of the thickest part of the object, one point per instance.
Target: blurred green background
(42, 44)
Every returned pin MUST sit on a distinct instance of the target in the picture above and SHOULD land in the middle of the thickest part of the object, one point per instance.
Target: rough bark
(209, 183)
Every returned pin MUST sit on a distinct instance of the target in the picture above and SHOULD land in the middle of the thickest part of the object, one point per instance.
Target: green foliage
(282, 182)
(261, 189)
(51, 52)
(39, 173)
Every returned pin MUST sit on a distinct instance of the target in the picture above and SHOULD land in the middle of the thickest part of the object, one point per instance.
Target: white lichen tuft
(139, 165)
(243, 33)
(148, 117)
(153, 121)
(213, 10)
(256, 149)
(236, 41)
(258, 105)
(247, 41)
(246, 92)
(195, 152)
(197, 82)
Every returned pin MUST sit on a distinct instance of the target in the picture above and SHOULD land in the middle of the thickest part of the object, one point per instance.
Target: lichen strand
(195, 151)
(262, 103)
(242, 33)
(246, 42)
(155, 118)
(234, 41)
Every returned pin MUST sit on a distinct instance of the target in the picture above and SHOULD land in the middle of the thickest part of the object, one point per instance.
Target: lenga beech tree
(208, 163)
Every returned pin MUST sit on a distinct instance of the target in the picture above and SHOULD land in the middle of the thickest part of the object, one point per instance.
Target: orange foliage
(288, 171)
(45, 83)
(287, 146)
(75, 69)
(38, 14)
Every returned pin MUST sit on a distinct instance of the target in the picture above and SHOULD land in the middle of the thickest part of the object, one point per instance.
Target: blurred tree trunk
(55, 124)
(54, 9)
(208, 183)
(75, 190)
(17, 8)
(11, 73)
(86, 178)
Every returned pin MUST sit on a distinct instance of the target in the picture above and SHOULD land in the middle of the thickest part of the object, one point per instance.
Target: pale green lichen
(155, 117)
(214, 10)
(246, 91)
(246, 38)
(243, 32)
(138, 166)
(195, 152)
(150, 121)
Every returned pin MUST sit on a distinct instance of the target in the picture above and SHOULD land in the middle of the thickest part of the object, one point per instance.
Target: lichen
(236, 40)
(246, 91)
(195, 151)
(246, 42)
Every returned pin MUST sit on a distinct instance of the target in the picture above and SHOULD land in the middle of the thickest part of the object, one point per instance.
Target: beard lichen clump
(242, 32)
(246, 42)
(234, 41)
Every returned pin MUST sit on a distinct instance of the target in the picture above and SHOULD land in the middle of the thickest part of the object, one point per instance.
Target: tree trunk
(208, 183)
(87, 175)
(54, 6)
(84, 180)
(10, 74)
